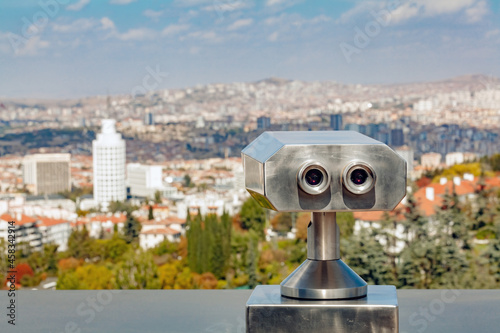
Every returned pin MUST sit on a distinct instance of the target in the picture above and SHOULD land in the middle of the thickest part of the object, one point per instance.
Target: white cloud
(477, 12)
(137, 34)
(154, 15)
(273, 37)
(107, 24)
(270, 3)
(433, 7)
(203, 35)
(320, 19)
(221, 6)
(492, 33)
(240, 24)
(404, 13)
(32, 46)
(360, 8)
(280, 5)
(474, 9)
(78, 5)
(121, 2)
(191, 3)
(273, 20)
(174, 29)
(80, 25)
(295, 20)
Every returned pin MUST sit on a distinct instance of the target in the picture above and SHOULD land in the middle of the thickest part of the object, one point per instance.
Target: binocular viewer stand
(323, 294)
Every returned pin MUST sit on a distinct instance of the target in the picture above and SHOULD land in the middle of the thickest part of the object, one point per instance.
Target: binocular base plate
(322, 280)
(268, 311)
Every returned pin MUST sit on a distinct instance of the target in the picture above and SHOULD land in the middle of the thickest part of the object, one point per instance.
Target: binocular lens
(359, 176)
(314, 177)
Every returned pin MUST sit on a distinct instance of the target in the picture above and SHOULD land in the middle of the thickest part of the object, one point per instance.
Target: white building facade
(108, 152)
(144, 180)
(47, 173)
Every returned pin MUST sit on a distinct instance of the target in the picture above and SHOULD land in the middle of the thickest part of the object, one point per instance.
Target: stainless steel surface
(323, 279)
(268, 311)
(323, 239)
(223, 311)
(323, 275)
(273, 161)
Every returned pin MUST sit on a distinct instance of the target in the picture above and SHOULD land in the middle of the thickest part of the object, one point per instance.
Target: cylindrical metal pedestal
(323, 275)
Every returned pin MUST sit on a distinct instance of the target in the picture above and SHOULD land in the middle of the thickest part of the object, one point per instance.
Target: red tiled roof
(160, 231)
(167, 221)
(113, 218)
(493, 182)
(48, 222)
(377, 215)
(24, 219)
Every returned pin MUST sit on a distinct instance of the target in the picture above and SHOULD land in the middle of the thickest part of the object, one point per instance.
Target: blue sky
(77, 48)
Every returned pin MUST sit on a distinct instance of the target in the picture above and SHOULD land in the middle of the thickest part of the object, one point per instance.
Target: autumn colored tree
(167, 274)
(206, 280)
(67, 264)
(137, 270)
(22, 270)
(302, 223)
(282, 222)
(94, 277)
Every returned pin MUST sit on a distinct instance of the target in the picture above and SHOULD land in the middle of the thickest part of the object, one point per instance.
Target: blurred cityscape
(158, 166)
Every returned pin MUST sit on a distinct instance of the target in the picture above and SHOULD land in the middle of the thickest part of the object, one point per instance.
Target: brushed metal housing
(273, 160)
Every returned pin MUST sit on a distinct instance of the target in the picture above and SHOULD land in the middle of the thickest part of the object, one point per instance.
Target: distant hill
(473, 82)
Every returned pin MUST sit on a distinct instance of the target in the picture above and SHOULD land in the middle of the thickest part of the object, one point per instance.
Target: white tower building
(108, 152)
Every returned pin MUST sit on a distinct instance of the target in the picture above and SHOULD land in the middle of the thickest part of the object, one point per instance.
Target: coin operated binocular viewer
(324, 173)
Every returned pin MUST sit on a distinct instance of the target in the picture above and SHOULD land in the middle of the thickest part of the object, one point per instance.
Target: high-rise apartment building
(263, 122)
(336, 122)
(108, 152)
(47, 173)
(397, 137)
(149, 119)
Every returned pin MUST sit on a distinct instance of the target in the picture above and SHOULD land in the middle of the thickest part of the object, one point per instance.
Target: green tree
(122, 207)
(114, 248)
(253, 217)
(131, 229)
(68, 281)
(431, 258)
(150, 213)
(80, 245)
(366, 256)
(345, 221)
(195, 243)
(157, 197)
(187, 181)
(252, 258)
(137, 270)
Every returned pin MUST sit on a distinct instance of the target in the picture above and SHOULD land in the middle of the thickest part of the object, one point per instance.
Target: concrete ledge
(457, 311)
